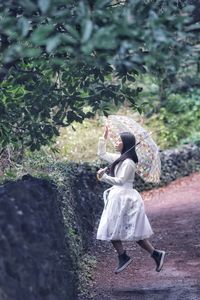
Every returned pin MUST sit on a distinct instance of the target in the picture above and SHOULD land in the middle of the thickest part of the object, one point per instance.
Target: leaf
(101, 77)
(73, 32)
(55, 131)
(69, 40)
(40, 35)
(123, 79)
(159, 35)
(72, 116)
(101, 3)
(44, 5)
(139, 89)
(52, 43)
(55, 149)
(33, 147)
(28, 5)
(83, 9)
(87, 30)
(193, 27)
(138, 68)
(131, 78)
(12, 53)
(153, 16)
(71, 89)
(105, 38)
(139, 109)
(135, 72)
(23, 25)
(89, 115)
(31, 52)
(4, 143)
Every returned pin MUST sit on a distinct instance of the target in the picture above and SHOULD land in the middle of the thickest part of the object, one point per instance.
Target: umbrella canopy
(149, 165)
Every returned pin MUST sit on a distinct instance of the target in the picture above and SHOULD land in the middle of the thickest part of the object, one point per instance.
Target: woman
(123, 217)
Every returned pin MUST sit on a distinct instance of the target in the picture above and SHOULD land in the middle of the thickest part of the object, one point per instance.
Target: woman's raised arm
(107, 156)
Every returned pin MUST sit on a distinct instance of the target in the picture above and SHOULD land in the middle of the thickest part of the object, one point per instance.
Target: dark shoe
(158, 256)
(124, 261)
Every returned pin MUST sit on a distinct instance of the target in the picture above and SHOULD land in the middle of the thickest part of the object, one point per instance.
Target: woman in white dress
(123, 217)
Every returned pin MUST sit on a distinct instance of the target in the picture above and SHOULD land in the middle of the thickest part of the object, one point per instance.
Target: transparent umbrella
(149, 165)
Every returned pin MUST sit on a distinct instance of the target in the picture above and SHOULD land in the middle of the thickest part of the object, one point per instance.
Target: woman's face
(118, 145)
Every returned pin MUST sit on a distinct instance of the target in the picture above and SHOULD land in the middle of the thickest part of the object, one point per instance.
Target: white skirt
(123, 217)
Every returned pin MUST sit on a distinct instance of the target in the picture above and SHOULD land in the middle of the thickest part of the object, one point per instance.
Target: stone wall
(175, 163)
(34, 258)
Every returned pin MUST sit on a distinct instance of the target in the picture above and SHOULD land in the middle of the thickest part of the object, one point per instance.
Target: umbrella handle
(99, 177)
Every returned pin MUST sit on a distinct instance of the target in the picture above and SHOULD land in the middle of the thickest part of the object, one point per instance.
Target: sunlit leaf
(44, 5)
(87, 30)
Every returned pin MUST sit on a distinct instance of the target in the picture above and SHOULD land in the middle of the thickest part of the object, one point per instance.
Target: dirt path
(174, 212)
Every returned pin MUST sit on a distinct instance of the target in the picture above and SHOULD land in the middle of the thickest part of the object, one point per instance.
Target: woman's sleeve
(126, 171)
(109, 157)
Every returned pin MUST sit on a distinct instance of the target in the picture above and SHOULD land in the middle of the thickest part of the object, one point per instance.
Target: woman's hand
(105, 134)
(100, 172)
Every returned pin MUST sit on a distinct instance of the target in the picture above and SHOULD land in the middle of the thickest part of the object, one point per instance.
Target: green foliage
(192, 139)
(87, 265)
(179, 121)
(59, 56)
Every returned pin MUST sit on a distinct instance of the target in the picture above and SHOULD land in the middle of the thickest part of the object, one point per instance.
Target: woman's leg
(123, 259)
(118, 247)
(145, 244)
(157, 255)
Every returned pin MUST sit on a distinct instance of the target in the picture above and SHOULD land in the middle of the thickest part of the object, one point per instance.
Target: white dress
(123, 217)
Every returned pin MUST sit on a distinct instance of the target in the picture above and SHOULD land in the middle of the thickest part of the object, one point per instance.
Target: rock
(34, 258)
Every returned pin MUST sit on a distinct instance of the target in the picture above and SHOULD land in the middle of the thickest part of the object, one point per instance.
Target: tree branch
(116, 4)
